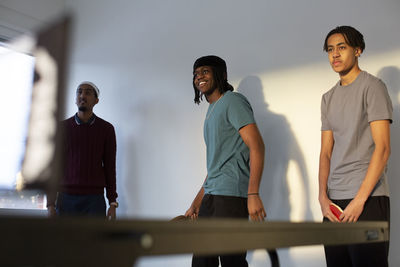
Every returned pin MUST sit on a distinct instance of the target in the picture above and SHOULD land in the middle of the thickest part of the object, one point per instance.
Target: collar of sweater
(80, 122)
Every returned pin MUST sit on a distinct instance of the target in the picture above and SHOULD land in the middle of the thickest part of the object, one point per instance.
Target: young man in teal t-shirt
(235, 155)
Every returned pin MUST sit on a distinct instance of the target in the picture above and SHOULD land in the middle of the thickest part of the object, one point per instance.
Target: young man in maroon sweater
(90, 152)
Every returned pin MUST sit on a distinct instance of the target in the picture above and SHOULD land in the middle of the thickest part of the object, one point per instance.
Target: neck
(85, 115)
(348, 77)
(214, 96)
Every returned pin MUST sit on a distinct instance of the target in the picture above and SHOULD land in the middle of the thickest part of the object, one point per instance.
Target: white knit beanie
(92, 85)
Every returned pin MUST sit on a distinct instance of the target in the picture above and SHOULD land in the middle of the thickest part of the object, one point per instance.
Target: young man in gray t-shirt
(355, 146)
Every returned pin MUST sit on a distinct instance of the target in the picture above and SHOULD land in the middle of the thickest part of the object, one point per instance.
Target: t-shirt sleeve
(324, 121)
(240, 112)
(379, 105)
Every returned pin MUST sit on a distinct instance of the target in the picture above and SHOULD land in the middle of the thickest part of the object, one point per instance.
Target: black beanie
(213, 61)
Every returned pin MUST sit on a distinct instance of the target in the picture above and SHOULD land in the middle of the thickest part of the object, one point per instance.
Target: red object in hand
(336, 210)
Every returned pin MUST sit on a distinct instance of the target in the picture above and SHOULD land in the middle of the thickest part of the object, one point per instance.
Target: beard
(83, 109)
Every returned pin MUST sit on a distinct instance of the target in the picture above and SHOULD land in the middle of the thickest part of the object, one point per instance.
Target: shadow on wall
(129, 191)
(281, 147)
(391, 77)
(130, 151)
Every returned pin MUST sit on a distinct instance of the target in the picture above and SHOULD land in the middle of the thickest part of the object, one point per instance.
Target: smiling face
(342, 57)
(203, 80)
(86, 98)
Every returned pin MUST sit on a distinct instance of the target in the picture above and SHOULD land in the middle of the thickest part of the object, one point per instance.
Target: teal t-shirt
(228, 157)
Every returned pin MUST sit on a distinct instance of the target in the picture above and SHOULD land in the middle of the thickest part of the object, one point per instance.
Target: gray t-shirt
(347, 112)
(228, 156)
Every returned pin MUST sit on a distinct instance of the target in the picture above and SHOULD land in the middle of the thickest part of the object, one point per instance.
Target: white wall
(140, 54)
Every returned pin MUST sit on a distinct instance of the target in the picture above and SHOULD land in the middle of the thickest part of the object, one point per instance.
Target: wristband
(115, 204)
(252, 194)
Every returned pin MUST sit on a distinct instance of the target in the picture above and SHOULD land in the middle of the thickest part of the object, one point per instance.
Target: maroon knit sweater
(90, 151)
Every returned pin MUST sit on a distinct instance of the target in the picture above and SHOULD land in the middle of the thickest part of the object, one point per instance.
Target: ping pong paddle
(336, 210)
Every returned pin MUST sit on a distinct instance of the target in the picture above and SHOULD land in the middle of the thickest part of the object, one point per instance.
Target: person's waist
(82, 190)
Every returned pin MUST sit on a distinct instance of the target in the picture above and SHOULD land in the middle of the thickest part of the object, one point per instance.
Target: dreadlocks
(220, 75)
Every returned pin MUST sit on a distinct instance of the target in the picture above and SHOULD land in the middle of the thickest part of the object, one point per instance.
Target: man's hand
(111, 213)
(352, 211)
(326, 210)
(256, 208)
(51, 211)
(192, 212)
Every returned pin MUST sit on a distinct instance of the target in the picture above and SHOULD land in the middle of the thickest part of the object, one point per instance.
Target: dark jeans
(81, 205)
(362, 255)
(214, 206)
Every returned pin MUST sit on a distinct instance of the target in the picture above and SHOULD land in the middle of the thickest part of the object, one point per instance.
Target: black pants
(81, 205)
(214, 206)
(362, 255)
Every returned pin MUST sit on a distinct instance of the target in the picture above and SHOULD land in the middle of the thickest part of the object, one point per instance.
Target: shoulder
(68, 125)
(103, 123)
(369, 77)
(236, 97)
(372, 81)
(68, 121)
(328, 94)
(238, 106)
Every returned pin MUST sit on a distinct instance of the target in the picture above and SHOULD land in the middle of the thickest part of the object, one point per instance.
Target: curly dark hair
(352, 36)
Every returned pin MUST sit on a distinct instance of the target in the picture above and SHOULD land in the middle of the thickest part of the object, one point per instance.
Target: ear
(357, 52)
(97, 101)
